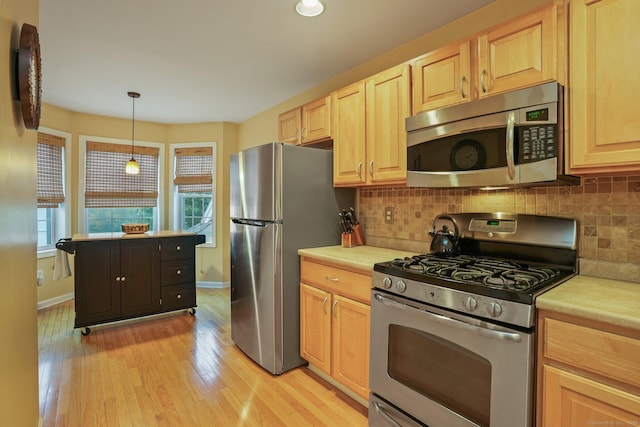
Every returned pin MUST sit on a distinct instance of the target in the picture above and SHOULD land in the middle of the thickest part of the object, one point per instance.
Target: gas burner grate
(489, 272)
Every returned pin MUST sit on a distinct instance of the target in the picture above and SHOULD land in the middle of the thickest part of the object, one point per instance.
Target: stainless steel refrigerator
(282, 199)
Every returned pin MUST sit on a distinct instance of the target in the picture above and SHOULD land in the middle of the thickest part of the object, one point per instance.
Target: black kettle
(444, 241)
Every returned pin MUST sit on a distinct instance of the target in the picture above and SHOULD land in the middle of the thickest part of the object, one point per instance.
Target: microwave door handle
(511, 124)
(491, 333)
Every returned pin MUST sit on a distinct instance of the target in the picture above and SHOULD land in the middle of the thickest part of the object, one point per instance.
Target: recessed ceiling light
(309, 7)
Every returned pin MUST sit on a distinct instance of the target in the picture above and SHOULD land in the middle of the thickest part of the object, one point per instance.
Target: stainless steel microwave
(511, 139)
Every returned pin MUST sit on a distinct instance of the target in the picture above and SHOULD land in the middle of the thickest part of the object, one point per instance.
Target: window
(51, 177)
(193, 189)
(111, 197)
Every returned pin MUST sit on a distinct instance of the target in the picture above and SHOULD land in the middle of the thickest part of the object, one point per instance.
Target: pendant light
(132, 167)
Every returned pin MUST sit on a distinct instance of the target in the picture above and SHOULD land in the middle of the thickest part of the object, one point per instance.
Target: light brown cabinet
(334, 323)
(306, 124)
(442, 77)
(369, 129)
(588, 373)
(522, 52)
(604, 127)
(519, 53)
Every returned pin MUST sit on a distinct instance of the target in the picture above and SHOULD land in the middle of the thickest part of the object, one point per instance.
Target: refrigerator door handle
(252, 222)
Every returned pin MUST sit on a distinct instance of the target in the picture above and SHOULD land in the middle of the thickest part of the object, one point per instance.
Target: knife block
(358, 234)
(348, 240)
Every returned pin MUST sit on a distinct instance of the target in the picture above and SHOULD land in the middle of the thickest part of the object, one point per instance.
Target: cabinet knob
(117, 278)
(178, 248)
(122, 279)
(178, 272)
(179, 296)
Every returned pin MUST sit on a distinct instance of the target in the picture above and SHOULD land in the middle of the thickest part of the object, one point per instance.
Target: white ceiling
(214, 60)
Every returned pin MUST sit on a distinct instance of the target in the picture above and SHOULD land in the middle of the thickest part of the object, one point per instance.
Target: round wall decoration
(29, 76)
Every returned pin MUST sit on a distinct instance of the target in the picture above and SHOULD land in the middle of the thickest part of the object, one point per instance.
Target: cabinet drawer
(178, 296)
(174, 272)
(600, 352)
(177, 248)
(333, 279)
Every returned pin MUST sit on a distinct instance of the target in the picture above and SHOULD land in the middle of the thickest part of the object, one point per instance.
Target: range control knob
(386, 282)
(494, 309)
(401, 286)
(470, 303)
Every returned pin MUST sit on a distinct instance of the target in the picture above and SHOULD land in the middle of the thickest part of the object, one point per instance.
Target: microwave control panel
(537, 142)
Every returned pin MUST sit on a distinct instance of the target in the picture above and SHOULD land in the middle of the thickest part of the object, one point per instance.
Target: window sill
(47, 253)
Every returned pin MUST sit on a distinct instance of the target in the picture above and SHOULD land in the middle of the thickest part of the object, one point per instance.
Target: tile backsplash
(607, 210)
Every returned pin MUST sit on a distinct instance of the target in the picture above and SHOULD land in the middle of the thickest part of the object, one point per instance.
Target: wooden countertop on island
(120, 235)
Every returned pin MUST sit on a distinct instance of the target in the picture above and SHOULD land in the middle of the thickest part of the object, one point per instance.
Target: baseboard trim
(53, 301)
(212, 285)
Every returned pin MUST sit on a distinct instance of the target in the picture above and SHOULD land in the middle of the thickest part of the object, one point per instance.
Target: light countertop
(609, 301)
(359, 257)
(120, 235)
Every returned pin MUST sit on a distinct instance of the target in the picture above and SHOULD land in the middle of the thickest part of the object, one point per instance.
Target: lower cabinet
(131, 277)
(334, 323)
(587, 375)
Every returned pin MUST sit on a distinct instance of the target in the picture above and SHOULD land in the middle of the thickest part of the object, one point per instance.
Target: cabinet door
(574, 401)
(442, 77)
(605, 130)
(97, 282)
(289, 126)
(315, 327)
(350, 342)
(388, 105)
(349, 132)
(520, 53)
(140, 276)
(316, 120)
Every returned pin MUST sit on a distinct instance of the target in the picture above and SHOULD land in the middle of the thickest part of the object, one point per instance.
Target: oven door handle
(388, 418)
(500, 335)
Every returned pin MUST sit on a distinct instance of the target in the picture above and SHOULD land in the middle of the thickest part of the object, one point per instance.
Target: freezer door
(255, 176)
(256, 292)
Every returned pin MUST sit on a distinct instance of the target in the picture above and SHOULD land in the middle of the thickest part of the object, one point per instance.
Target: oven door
(447, 369)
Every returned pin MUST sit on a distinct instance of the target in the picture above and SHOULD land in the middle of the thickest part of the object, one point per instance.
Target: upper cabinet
(522, 52)
(604, 86)
(369, 129)
(306, 124)
(289, 126)
(442, 77)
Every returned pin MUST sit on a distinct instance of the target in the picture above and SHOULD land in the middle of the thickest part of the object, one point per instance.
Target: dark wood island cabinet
(122, 276)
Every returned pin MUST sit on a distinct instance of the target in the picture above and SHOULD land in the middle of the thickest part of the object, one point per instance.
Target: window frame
(173, 209)
(82, 212)
(62, 215)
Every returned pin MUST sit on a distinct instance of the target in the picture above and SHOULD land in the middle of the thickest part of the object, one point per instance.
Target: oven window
(442, 371)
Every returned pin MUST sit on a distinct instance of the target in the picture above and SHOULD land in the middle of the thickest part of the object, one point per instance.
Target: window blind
(193, 170)
(50, 187)
(106, 183)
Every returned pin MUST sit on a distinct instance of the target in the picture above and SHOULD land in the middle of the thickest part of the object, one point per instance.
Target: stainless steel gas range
(453, 332)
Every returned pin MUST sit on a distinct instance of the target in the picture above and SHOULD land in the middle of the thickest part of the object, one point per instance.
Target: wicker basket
(135, 228)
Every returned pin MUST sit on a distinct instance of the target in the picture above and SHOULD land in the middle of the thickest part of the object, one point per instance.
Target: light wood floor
(174, 370)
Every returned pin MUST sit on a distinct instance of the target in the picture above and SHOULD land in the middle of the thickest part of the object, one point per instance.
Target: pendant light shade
(132, 167)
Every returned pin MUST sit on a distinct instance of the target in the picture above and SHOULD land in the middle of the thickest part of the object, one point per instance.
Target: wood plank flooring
(174, 370)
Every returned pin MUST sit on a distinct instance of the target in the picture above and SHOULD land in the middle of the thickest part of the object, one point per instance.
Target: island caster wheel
(85, 331)
(192, 311)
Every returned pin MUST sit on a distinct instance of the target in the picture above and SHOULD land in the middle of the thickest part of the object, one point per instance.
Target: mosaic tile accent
(607, 210)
